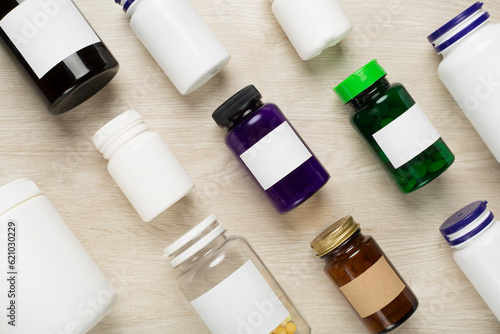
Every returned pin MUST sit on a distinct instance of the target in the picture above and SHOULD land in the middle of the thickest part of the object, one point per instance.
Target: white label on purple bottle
(407, 136)
(241, 303)
(47, 31)
(276, 155)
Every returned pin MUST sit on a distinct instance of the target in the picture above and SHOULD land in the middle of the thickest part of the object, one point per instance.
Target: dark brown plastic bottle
(365, 276)
(59, 50)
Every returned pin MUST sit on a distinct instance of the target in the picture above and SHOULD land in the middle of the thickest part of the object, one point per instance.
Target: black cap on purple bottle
(235, 105)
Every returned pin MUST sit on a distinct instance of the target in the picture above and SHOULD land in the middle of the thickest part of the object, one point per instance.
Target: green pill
(436, 165)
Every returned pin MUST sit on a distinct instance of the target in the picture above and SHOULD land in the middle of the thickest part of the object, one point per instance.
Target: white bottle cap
(109, 137)
(311, 26)
(195, 240)
(17, 192)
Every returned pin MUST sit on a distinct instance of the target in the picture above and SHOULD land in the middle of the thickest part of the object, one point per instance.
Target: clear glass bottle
(178, 39)
(400, 134)
(470, 46)
(227, 285)
(474, 235)
(265, 142)
(142, 165)
(365, 276)
(49, 284)
(61, 53)
(311, 26)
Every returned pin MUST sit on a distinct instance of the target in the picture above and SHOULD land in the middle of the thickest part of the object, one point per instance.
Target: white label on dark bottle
(241, 303)
(407, 136)
(276, 155)
(47, 31)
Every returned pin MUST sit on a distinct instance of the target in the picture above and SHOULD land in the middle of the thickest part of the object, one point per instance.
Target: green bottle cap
(359, 81)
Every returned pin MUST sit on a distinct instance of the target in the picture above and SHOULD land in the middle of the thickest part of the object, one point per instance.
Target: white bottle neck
(121, 138)
(133, 7)
(460, 42)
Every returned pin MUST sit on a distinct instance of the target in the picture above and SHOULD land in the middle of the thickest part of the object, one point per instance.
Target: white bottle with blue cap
(474, 235)
(178, 39)
(470, 70)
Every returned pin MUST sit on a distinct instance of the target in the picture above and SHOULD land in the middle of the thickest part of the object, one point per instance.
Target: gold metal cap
(334, 236)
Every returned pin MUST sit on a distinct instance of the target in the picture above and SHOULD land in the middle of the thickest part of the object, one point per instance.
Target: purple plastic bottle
(261, 137)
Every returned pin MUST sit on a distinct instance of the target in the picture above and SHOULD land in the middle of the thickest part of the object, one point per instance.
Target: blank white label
(242, 303)
(276, 155)
(407, 136)
(47, 31)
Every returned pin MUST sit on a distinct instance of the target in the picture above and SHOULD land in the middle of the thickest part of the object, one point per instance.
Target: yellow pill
(283, 324)
(289, 318)
(291, 328)
(281, 331)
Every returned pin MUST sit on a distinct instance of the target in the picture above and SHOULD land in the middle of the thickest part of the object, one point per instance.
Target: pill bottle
(311, 26)
(403, 138)
(228, 287)
(178, 39)
(61, 53)
(360, 269)
(142, 165)
(470, 46)
(49, 284)
(262, 138)
(474, 235)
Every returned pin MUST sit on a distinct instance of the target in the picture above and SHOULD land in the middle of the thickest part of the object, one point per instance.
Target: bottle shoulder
(480, 46)
(254, 127)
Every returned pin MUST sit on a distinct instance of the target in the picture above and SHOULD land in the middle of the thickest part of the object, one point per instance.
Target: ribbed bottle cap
(110, 135)
(16, 192)
(466, 223)
(459, 27)
(195, 240)
(236, 104)
(125, 3)
(334, 236)
(359, 81)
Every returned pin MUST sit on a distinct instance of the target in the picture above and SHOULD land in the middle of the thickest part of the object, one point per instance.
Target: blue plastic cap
(125, 3)
(463, 224)
(456, 21)
(463, 217)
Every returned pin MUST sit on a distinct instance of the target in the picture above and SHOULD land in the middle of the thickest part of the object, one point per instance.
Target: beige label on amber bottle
(374, 289)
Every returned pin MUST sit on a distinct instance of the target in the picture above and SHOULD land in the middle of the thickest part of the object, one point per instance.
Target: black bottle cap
(236, 104)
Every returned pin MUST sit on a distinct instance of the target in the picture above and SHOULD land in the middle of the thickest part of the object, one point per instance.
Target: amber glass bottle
(365, 276)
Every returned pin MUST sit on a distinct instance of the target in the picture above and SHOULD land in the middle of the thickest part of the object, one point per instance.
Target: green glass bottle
(395, 127)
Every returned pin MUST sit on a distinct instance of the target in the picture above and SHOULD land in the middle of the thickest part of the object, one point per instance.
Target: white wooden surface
(57, 153)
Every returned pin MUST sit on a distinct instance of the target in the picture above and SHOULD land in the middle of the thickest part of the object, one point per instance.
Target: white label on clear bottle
(407, 136)
(47, 31)
(276, 155)
(242, 303)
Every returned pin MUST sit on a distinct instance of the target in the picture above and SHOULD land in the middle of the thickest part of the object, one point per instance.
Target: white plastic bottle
(474, 235)
(178, 39)
(49, 283)
(311, 26)
(470, 70)
(142, 165)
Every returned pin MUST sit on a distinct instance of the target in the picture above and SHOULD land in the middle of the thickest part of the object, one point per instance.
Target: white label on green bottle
(243, 303)
(407, 136)
(276, 155)
(47, 31)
